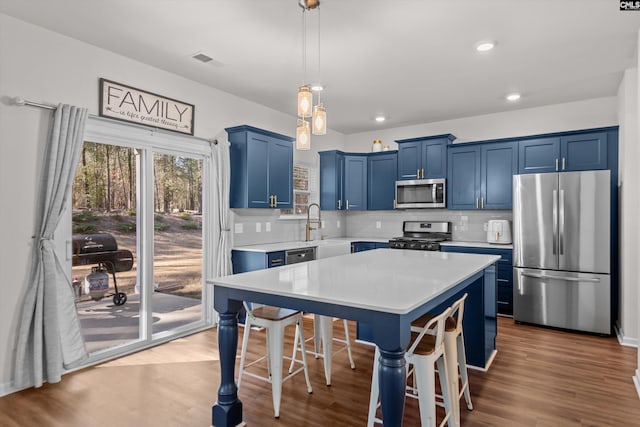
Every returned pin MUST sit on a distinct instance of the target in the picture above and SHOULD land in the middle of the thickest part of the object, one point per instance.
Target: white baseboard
(8, 388)
(636, 381)
(625, 341)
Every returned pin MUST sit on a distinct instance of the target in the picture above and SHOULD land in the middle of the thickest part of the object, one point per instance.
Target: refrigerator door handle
(566, 279)
(561, 220)
(555, 221)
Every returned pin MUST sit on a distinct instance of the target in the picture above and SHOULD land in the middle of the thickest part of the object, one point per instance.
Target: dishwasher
(294, 256)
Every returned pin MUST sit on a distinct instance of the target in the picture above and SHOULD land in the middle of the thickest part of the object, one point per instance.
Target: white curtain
(223, 175)
(49, 339)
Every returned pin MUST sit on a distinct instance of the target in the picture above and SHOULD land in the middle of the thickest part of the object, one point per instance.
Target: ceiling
(412, 60)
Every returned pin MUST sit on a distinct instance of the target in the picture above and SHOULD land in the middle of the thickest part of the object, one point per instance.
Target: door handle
(339, 204)
(271, 201)
(556, 165)
(563, 162)
(566, 279)
(555, 221)
(433, 193)
(418, 173)
(482, 202)
(422, 173)
(347, 204)
(561, 226)
(477, 203)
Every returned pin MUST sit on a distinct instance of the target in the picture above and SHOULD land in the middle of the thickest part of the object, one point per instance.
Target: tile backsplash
(265, 225)
(467, 226)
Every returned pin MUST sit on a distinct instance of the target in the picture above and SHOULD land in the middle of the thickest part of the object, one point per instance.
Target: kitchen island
(384, 288)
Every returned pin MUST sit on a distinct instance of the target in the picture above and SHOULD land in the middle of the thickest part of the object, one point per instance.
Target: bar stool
(323, 335)
(274, 320)
(427, 349)
(455, 355)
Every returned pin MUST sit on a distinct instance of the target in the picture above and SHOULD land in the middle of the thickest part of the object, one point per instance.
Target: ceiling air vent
(202, 57)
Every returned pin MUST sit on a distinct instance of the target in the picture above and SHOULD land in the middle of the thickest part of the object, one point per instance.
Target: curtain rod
(22, 102)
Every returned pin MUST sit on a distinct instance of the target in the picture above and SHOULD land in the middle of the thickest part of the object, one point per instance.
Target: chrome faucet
(310, 221)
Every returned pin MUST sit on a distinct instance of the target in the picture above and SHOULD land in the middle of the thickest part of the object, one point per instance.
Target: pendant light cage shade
(303, 135)
(305, 101)
(319, 120)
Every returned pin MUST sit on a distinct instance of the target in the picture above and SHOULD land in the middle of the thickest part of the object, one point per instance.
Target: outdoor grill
(102, 250)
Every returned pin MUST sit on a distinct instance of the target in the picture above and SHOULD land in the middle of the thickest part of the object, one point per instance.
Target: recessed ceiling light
(380, 119)
(485, 46)
(317, 88)
(513, 97)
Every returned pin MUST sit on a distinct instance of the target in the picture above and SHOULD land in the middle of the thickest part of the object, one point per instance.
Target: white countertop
(387, 280)
(477, 245)
(285, 246)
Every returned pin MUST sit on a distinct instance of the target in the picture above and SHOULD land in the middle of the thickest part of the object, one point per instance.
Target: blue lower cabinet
(504, 273)
(367, 246)
(244, 261)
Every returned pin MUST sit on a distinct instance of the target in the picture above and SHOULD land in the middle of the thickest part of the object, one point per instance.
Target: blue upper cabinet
(539, 155)
(463, 182)
(423, 158)
(480, 176)
(499, 162)
(261, 168)
(573, 152)
(355, 181)
(584, 151)
(332, 180)
(382, 172)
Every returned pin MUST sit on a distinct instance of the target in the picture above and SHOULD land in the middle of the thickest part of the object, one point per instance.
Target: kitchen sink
(329, 248)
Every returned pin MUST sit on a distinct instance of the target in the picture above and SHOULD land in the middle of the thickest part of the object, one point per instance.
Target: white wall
(591, 113)
(46, 67)
(628, 179)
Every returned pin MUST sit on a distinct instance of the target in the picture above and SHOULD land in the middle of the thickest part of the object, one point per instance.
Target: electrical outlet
(267, 227)
(258, 227)
(378, 224)
(238, 228)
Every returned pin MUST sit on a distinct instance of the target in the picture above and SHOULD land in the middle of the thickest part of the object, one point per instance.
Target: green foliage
(186, 216)
(161, 227)
(191, 225)
(84, 217)
(127, 227)
(118, 217)
(131, 212)
(158, 218)
(81, 228)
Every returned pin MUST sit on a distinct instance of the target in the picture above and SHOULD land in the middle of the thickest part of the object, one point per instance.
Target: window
(304, 191)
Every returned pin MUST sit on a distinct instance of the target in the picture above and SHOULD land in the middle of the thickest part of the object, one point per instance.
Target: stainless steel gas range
(422, 235)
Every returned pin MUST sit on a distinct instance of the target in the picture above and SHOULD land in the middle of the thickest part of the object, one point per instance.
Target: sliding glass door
(136, 253)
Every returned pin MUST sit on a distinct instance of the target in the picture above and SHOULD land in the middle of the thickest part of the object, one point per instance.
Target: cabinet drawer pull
(275, 261)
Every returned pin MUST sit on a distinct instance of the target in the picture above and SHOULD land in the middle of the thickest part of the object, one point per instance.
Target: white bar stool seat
(274, 320)
(426, 350)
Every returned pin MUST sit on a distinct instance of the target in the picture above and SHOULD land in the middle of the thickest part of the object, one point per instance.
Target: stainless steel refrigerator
(561, 257)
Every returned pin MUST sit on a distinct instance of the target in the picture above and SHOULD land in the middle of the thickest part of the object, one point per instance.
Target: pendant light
(303, 135)
(306, 110)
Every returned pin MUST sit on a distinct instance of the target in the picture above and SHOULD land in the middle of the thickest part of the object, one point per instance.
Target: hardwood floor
(540, 377)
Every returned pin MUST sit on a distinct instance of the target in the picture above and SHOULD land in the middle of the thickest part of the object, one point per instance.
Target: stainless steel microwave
(421, 193)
